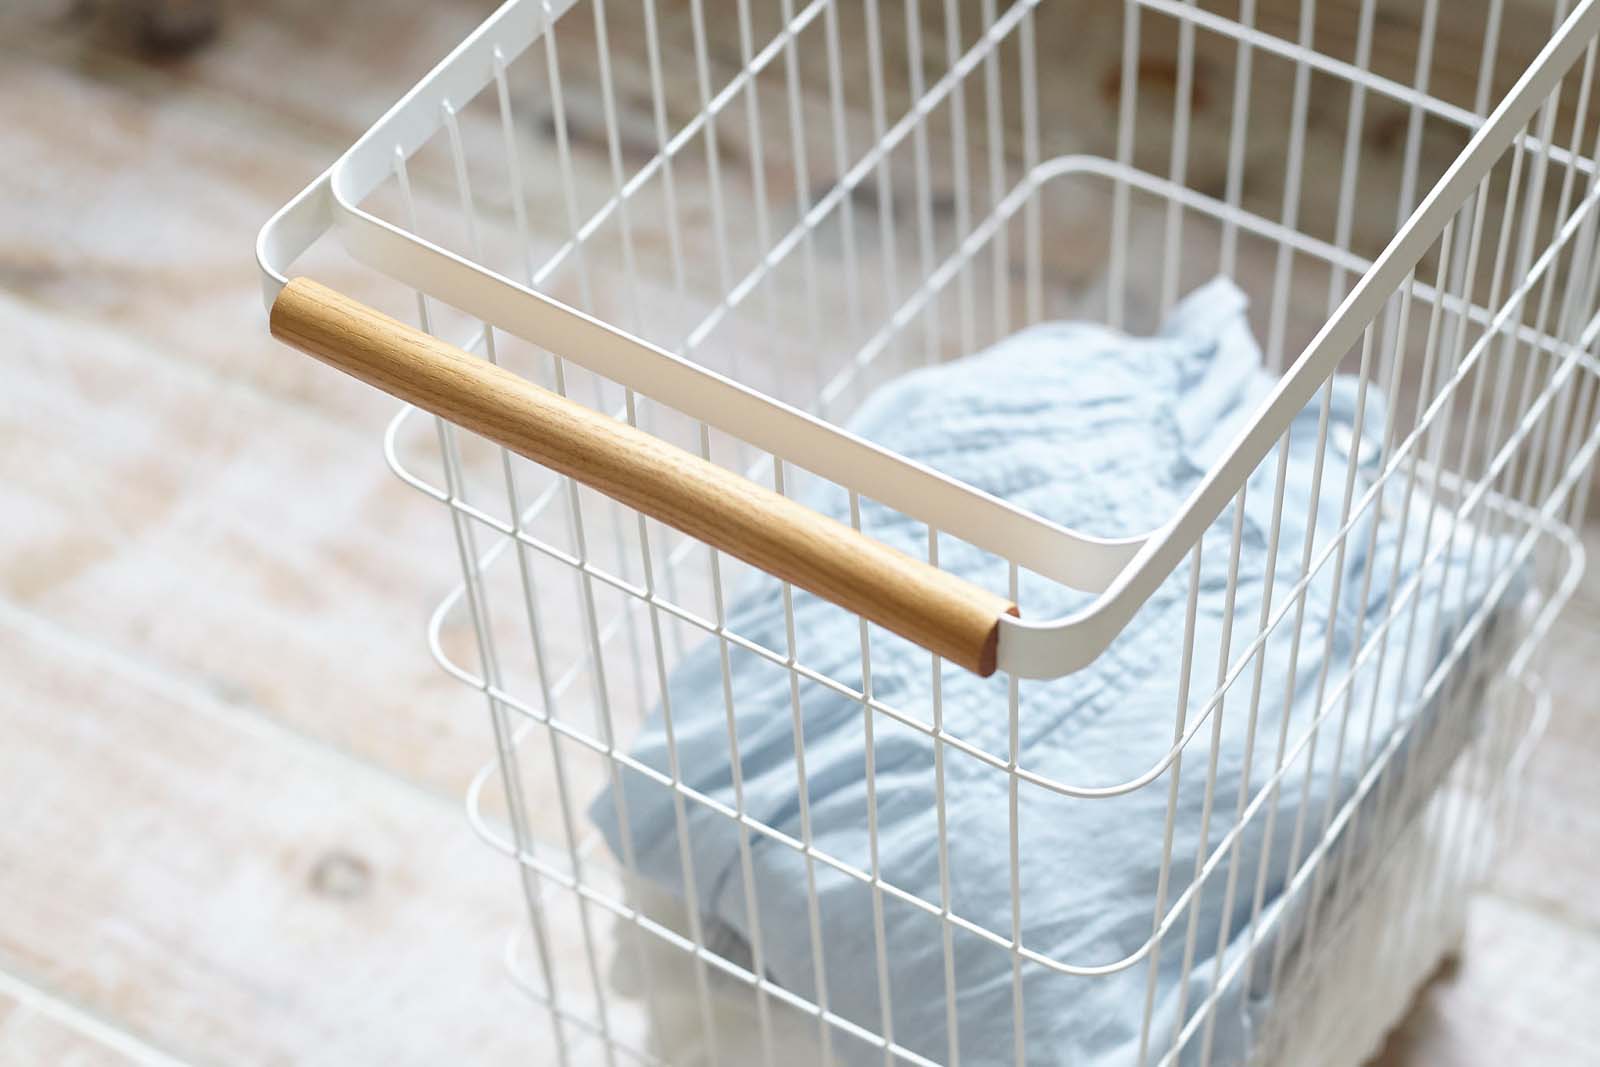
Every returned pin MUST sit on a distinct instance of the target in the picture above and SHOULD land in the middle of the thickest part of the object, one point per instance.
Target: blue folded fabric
(1108, 434)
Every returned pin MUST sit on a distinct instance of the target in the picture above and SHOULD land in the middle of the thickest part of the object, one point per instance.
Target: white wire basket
(661, 255)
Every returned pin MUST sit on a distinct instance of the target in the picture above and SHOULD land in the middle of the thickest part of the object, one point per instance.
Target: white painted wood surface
(230, 775)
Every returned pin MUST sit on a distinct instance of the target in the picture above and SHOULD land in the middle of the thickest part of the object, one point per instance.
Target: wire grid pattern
(929, 238)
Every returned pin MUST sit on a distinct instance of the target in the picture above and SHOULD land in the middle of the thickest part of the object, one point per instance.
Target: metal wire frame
(1531, 451)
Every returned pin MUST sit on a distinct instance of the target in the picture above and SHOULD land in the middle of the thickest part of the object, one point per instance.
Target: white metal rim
(1124, 572)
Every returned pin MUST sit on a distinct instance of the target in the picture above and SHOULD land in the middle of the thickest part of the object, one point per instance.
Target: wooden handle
(945, 614)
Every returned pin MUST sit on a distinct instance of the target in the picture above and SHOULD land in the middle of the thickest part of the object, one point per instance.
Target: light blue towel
(1108, 434)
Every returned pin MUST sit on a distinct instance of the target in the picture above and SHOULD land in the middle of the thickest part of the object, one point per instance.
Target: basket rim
(1122, 572)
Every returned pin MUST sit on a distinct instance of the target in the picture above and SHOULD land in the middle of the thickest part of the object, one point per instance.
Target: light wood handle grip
(945, 614)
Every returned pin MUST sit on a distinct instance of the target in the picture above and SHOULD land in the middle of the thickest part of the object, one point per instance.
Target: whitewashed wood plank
(28, 1039)
(231, 538)
(1523, 992)
(153, 232)
(232, 892)
(146, 221)
(38, 1027)
(327, 69)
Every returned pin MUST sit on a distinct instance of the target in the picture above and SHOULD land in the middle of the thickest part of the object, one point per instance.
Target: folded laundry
(1108, 434)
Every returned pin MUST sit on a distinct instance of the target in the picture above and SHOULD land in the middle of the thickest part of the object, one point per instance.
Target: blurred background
(231, 827)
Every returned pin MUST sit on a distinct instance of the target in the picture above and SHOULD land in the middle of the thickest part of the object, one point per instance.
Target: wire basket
(661, 255)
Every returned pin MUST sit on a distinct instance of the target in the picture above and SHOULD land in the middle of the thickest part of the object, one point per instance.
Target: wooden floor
(230, 775)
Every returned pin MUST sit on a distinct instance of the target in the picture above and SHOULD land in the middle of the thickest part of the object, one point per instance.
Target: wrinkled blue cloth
(1108, 434)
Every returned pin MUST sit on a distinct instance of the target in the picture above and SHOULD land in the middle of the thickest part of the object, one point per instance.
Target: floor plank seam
(1549, 910)
(187, 690)
(56, 48)
(370, 439)
(115, 1034)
